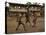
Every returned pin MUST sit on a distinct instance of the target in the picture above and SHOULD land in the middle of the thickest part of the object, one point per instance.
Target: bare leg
(18, 26)
(27, 20)
(24, 27)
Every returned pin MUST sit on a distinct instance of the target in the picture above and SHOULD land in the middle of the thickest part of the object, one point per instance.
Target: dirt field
(12, 25)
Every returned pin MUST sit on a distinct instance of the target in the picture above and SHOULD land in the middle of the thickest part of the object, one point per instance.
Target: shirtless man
(20, 22)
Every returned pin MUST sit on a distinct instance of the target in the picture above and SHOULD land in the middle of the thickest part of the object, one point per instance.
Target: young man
(20, 22)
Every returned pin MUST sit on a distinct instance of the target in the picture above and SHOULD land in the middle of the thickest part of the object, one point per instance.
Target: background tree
(28, 3)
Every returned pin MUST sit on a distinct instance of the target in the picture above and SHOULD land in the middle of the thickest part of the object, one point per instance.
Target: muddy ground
(12, 25)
